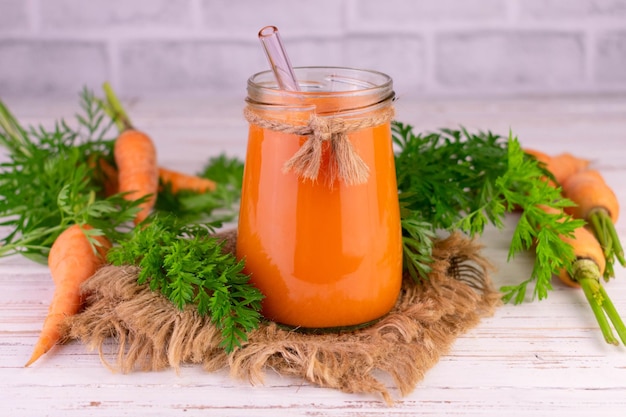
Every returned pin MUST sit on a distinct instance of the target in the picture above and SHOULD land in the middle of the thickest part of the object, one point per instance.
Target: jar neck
(324, 90)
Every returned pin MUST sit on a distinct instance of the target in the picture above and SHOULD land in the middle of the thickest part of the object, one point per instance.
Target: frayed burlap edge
(151, 334)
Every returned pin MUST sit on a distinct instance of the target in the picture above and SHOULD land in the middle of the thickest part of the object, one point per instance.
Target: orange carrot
(179, 181)
(597, 204)
(104, 174)
(585, 247)
(590, 192)
(138, 173)
(110, 177)
(539, 156)
(71, 260)
(135, 157)
(561, 166)
(586, 273)
(564, 165)
(543, 160)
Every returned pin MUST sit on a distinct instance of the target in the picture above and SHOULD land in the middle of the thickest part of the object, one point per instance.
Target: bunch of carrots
(73, 258)
(596, 245)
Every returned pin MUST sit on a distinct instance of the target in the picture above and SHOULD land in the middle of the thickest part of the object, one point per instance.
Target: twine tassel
(350, 167)
(306, 162)
(345, 164)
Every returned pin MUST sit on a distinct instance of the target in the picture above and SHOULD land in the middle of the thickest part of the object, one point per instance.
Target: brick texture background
(200, 48)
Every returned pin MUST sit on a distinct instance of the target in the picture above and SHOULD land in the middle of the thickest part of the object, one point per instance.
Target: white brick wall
(51, 48)
(510, 60)
(13, 16)
(111, 15)
(610, 56)
(34, 67)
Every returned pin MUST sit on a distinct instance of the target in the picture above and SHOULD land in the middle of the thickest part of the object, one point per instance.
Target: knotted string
(345, 163)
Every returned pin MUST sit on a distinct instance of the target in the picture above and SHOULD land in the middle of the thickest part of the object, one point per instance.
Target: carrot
(136, 159)
(590, 192)
(105, 174)
(72, 259)
(538, 155)
(561, 166)
(138, 173)
(585, 247)
(597, 204)
(586, 273)
(179, 181)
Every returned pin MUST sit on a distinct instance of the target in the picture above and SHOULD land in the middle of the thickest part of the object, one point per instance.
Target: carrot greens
(220, 205)
(187, 265)
(457, 180)
(46, 182)
(50, 181)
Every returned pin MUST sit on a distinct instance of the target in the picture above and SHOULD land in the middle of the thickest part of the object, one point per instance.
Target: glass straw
(278, 59)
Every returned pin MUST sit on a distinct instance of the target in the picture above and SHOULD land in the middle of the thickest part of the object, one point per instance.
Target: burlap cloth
(149, 333)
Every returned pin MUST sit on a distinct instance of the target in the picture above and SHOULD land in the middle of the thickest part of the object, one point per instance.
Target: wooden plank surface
(540, 358)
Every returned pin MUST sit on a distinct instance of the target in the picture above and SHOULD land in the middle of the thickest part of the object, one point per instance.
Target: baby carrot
(105, 174)
(597, 204)
(585, 273)
(136, 159)
(72, 259)
(561, 166)
(538, 155)
(138, 175)
(565, 165)
(179, 181)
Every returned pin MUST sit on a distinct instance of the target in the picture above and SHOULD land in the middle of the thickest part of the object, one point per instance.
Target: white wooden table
(540, 358)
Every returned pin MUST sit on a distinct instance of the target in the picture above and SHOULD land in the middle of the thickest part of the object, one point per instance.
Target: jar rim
(322, 82)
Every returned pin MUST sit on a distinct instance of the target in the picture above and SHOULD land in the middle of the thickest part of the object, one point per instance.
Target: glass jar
(322, 243)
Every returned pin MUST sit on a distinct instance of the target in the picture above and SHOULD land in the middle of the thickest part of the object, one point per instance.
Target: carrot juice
(325, 253)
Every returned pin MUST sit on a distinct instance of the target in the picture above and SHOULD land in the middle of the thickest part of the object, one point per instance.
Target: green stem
(613, 315)
(609, 271)
(108, 110)
(590, 288)
(17, 141)
(605, 232)
(587, 273)
(23, 242)
(595, 219)
(115, 109)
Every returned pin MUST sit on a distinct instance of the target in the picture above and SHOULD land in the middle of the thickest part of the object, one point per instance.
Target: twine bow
(344, 162)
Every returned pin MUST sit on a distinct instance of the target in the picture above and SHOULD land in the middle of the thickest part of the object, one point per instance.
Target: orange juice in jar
(319, 223)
